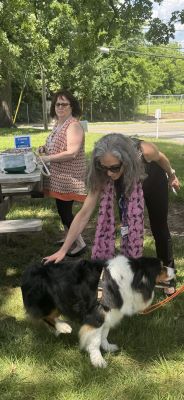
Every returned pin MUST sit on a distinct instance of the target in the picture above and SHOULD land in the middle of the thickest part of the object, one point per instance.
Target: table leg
(4, 205)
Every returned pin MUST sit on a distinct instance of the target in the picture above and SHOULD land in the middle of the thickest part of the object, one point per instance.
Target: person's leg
(65, 212)
(155, 188)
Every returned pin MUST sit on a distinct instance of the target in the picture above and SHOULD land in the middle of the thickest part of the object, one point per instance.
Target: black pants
(155, 188)
(65, 211)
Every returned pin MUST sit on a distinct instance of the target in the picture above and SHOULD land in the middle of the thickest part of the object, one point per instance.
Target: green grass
(165, 108)
(35, 365)
(7, 136)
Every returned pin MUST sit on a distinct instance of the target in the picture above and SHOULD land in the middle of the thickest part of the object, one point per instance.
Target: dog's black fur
(70, 288)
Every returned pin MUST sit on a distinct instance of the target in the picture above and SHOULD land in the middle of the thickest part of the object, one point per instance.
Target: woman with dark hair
(64, 151)
(134, 171)
(74, 104)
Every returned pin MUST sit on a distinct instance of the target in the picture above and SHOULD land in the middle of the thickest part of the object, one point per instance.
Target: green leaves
(61, 37)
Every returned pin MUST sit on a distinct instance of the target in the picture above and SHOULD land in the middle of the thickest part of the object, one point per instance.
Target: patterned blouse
(67, 179)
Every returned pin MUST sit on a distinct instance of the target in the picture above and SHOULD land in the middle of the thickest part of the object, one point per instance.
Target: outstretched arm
(79, 223)
(151, 153)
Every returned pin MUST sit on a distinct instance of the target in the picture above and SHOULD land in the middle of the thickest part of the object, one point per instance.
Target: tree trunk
(6, 105)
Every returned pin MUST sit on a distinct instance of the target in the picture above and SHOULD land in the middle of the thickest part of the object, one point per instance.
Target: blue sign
(22, 142)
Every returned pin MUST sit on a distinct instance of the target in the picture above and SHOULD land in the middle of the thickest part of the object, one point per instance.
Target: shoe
(169, 291)
(78, 253)
(59, 242)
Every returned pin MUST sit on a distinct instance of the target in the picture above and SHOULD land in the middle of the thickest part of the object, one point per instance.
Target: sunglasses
(62, 104)
(112, 168)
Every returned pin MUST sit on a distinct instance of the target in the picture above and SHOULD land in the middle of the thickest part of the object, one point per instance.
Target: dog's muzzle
(165, 281)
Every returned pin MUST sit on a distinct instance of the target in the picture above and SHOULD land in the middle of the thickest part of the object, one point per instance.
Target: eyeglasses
(112, 168)
(62, 104)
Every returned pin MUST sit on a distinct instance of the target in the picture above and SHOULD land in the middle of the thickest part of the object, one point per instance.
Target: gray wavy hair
(126, 151)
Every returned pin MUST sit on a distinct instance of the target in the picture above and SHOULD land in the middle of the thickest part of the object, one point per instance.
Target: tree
(159, 32)
(10, 53)
(60, 38)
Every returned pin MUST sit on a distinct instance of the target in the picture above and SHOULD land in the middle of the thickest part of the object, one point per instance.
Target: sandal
(171, 289)
(77, 253)
(59, 242)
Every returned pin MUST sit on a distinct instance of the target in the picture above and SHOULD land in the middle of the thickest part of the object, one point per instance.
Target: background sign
(157, 116)
(84, 124)
(22, 142)
(158, 113)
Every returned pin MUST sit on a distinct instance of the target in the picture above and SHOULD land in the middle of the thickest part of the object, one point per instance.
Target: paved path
(167, 130)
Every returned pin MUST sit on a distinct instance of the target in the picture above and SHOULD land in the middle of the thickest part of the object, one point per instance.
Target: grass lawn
(165, 108)
(35, 365)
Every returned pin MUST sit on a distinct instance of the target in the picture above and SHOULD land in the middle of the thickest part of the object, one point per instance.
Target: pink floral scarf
(132, 224)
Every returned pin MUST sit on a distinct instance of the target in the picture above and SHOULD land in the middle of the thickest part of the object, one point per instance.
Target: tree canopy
(61, 38)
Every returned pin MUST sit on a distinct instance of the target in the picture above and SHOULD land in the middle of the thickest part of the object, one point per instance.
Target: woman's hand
(40, 150)
(174, 182)
(56, 257)
(46, 159)
(151, 153)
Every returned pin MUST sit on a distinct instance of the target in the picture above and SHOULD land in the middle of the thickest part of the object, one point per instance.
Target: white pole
(157, 127)
(44, 103)
(157, 116)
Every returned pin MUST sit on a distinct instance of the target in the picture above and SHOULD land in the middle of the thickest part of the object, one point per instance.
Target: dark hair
(74, 103)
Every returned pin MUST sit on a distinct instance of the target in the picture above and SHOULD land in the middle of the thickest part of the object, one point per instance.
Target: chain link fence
(170, 105)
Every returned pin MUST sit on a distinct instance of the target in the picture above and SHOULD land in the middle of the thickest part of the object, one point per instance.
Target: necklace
(58, 127)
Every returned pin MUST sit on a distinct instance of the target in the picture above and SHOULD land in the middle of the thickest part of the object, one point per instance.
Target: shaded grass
(35, 365)
(149, 365)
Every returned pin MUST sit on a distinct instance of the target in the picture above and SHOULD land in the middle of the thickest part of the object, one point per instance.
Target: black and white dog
(70, 288)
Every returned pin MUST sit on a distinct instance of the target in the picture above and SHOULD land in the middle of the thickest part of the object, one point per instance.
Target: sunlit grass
(34, 365)
(165, 108)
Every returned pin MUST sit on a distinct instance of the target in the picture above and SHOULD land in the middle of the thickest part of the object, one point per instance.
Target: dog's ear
(142, 284)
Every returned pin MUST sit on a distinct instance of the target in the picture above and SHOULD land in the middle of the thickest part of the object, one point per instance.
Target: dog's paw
(62, 327)
(98, 362)
(111, 348)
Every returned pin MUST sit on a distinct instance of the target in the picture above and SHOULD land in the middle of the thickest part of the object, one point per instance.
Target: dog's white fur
(61, 327)
(91, 339)
(70, 289)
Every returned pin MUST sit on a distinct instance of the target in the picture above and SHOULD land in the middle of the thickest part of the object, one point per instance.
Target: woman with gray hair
(133, 171)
